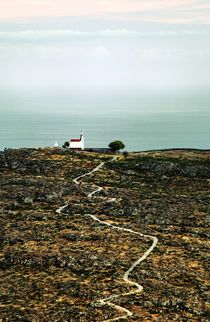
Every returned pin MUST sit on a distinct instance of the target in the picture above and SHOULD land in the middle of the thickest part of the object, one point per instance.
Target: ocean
(142, 122)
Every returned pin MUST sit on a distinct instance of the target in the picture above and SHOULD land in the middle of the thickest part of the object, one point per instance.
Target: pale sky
(166, 11)
(105, 44)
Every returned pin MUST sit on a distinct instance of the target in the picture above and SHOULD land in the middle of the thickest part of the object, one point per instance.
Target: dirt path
(89, 173)
(137, 287)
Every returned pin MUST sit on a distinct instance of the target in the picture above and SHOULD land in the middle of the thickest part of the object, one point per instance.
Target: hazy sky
(100, 45)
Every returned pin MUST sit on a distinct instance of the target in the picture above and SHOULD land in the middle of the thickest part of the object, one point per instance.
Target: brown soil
(56, 267)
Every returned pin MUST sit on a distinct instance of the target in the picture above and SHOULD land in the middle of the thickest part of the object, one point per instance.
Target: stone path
(137, 288)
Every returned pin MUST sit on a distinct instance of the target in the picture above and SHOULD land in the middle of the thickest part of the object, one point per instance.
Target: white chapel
(77, 144)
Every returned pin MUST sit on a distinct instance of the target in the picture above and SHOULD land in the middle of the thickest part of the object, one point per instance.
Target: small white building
(77, 144)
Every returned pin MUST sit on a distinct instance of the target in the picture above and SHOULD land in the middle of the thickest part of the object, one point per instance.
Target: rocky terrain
(57, 265)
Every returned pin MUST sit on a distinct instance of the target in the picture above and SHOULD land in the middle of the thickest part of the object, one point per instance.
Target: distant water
(142, 123)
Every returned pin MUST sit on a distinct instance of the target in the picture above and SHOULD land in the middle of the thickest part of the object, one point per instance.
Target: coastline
(93, 149)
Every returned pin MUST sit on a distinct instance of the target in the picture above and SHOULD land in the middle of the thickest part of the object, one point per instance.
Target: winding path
(137, 287)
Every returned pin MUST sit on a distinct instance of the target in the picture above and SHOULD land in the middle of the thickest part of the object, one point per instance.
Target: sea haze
(142, 121)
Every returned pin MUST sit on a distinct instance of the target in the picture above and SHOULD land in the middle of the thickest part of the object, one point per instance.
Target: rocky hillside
(56, 266)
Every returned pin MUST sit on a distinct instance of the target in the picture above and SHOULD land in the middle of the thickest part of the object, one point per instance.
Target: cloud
(133, 54)
(53, 36)
(148, 10)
